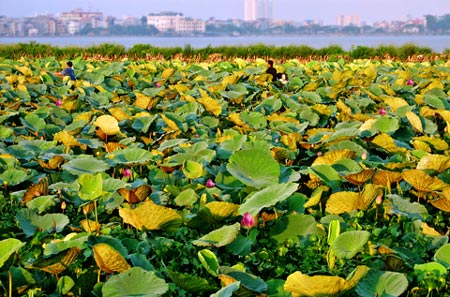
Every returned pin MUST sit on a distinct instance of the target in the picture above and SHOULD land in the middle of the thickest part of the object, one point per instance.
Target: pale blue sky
(297, 10)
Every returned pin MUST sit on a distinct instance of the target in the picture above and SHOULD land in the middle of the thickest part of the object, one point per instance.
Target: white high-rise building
(257, 10)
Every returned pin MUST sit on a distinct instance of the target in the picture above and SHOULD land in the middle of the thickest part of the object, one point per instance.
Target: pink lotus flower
(126, 172)
(210, 183)
(247, 221)
(382, 111)
(58, 102)
(157, 84)
(410, 82)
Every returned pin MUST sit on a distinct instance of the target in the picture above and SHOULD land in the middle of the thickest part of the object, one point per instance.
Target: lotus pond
(175, 178)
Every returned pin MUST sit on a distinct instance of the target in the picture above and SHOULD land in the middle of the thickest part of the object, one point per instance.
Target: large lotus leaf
(198, 152)
(56, 264)
(328, 175)
(247, 280)
(403, 207)
(13, 176)
(439, 163)
(219, 237)
(255, 168)
(192, 169)
(296, 228)
(230, 145)
(211, 105)
(222, 209)
(21, 152)
(349, 243)
(267, 197)
(151, 216)
(344, 133)
(91, 186)
(130, 156)
(300, 284)
(171, 143)
(174, 121)
(142, 124)
(255, 120)
(69, 241)
(346, 166)
(383, 284)
(209, 261)
(422, 181)
(42, 203)
(186, 198)
(386, 124)
(33, 122)
(108, 124)
(30, 222)
(435, 101)
(227, 291)
(190, 282)
(434, 269)
(8, 247)
(109, 259)
(135, 282)
(85, 165)
(442, 255)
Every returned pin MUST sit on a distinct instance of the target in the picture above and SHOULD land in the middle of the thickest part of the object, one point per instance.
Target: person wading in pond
(271, 70)
(68, 71)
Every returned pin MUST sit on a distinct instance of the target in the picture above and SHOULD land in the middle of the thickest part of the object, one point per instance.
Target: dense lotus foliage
(176, 178)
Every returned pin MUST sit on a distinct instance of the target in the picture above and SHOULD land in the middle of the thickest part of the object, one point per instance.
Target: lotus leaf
(135, 282)
(150, 216)
(327, 174)
(341, 202)
(422, 181)
(209, 261)
(247, 280)
(108, 259)
(85, 165)
(58, 263)
(8, 247)
(349, 243)
(228, 290)
(192, 169)
(254, 168)
(403, 207)
(91, 186)
(383, 284)
(219, 237)
(108, 124)
(296, 227)
(300, 284)
(130, 156)
(13, 176)
(222, 209)
(442, 255)
(186, 198)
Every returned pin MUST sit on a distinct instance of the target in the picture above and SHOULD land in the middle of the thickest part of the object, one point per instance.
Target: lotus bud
(410, 82)
(58, 102)
(319, 153)
(247, 221)
(157, 84)
(210, 183)
(382, 111)
(63, 205)
(127, 172)
(379, 199)
(364, 156)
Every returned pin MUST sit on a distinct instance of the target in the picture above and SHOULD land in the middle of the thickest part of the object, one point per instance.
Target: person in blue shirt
(68, 71)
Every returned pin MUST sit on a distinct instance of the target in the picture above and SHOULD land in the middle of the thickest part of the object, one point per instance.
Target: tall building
(257, 10)
(348, 20)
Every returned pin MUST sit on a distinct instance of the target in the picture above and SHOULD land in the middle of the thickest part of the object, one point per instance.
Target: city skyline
(289, 10)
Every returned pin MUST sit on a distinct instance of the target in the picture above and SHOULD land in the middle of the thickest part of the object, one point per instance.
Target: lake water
(437, 43)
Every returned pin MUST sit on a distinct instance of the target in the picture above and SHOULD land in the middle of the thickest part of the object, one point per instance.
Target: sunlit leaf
(108, 124)
(219, 237)
(108, 259)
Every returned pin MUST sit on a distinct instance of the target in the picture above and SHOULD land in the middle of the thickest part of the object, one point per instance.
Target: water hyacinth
(210, 183)
(247, 221)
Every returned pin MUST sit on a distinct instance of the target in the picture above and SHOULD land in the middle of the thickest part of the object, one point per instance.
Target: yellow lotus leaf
(435, 84)
(415, 121)
(211, 105)
(84, 116)
(386, 177)
(311, 86)
(231, 79)
(322, 109)
(171, 124)
(67, 139)
(141, 114)
(142, 101)
(422, 181)
(119, 113)
(299, 284)
(315, 198)
(343, 107)
(443, 202)
(58, 263)
(367, 125)
(223, 209)
(236, 118)
(394, 102)
(361, 177)
(108, 124)
(226, 280)
(168, 72)
(113, 146)
(435, 144)
(332, 157)
(24, 70)
(445, 114)
(440, 163)
(430, 231)
(361, 117)
(90, 226)
(342, 202)
(282, 155)
(275, 117)
(109, 259)
(55, 162)
(315, 131)
(148, 215)
(387, 143)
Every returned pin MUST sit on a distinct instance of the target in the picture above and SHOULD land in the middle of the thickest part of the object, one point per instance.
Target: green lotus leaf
(226, 148)
(21, 152)
(269, 106)
(346, 166)
(247, 280)
(267, 197)
(113, 184)
(209, 261)
(328, 175)
(348, 145)
(312, 97)
(434, 100)
(442, 255)
(295, 227)
(135, 282)
(33, 122)
(190, 283)
(171, 143)
(386, 124)
(91, 186)
(130, 156)
(255, 168)
(186, 198)
(403, 207)
(29, 221)
(71, 240)
(13, 176)
(192, 169)
(198, 152)
(7, 248)
(6, 132)
(349, 243)
(383, 284)
(227, 291)
(85, 165)
(219, 237)
(142, 124)
(65, 284)
(254, 119)
(431, 268)
(42, 203)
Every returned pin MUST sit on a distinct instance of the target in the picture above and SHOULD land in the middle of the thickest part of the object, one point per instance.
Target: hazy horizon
(327, 11)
